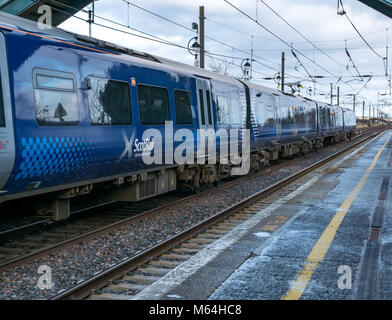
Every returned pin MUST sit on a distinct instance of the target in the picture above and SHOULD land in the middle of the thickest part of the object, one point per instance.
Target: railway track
(126, 279)
(43, 237)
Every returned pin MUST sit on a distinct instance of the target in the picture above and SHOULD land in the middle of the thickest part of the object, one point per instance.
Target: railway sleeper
(176, 257)
(183, 250)
(139, 279)
(122, 286)
(153, 271)
(109, 296)
(208, 235)
(166, 264)
(193, 245)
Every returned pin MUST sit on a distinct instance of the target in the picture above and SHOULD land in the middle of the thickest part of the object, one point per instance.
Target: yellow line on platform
(321, 247)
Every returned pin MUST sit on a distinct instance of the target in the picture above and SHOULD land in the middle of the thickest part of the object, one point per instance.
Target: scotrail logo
(184, 146)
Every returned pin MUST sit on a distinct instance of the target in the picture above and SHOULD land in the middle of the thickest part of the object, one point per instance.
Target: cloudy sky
(229, 40)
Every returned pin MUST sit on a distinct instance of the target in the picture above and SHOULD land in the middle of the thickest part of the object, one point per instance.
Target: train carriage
(78, 114)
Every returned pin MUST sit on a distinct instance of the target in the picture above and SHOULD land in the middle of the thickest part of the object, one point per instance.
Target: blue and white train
(73, 111)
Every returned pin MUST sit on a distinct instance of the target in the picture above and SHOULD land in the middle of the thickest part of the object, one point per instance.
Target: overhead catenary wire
(344, 13)
(275, 35)
(146, 35)
(279, 38)
(250, 35)
(352, 62)
(212, 54)
(150, 37)
(208, 37)
(296, 30)
(366, 83)
(299, 61)
(231, 63)
(189, 29)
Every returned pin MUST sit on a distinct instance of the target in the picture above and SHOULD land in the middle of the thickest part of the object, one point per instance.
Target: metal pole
(89, 22)
(378, 99)
(251, 61)
(354, 103)
(387, 55)
(201, 24)
(338, 96)
(331, 93)
(91, 19)
(282, 84)
(363, 112)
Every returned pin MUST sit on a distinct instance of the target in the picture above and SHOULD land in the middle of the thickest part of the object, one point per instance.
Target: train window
(236, 111)
(339, 118)
(299, 115)
(264, 110)
(56, 102)
(331, 118)
(182, 104)
(286, 111)
(283, 114)
(208, 97)
(310, 116)
(50, 82)
(326, 120)
(291, 114)
(202, 112)
(109, 102)
(2, 115)
(223, 109)
(153, 105)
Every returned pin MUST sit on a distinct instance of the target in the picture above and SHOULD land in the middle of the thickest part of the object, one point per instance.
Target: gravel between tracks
(82, 261)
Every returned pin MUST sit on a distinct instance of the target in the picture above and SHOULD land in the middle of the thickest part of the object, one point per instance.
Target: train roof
(14, 22)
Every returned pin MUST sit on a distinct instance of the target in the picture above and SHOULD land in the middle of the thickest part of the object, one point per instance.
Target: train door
(7, 144)
(278, 120)
(204, 105)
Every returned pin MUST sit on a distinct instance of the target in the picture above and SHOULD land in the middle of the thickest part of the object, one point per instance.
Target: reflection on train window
(291, 114)
(311, 116)
(223, 109)
(299, 114)
(49, 82)
(286, 111)
(331, 118)
(182, 105)
(265, 112)
(109, 102)
(339, 118)
(208, 97)
(153, 105)
(283, 114)
(236, 111)
(2, 115)
(327, 118)
(201, 108)
(55, 97)
(323, 117)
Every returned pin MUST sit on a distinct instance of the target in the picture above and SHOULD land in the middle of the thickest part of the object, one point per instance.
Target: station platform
(331, 238)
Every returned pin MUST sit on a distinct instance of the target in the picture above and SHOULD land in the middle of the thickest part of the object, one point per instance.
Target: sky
(229, 41)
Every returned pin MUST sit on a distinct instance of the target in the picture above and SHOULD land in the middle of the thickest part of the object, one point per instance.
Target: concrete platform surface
(330, 239)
